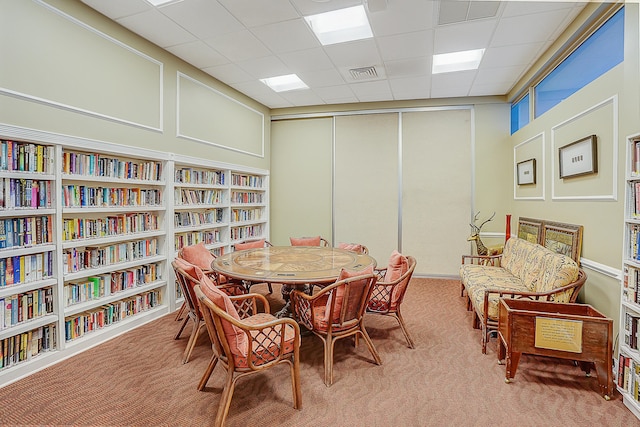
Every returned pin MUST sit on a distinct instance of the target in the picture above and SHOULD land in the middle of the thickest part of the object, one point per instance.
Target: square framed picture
(579, 158)
(526, 171)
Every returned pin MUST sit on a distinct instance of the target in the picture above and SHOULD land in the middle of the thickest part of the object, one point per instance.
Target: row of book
(23, 347)
(193, 218)
(634, 241)
(79, 325)
(100, 286)
(246, 232)
(238, 215)
(26, 231)
(631, 330)
(633, 199)
(90, 164)
(245, 197)
(631, 284)
(113, 225)
(18, 270)
(186, 196)
(629, 376)
(21, 193)
(246, 180)
(78, 259)
(85, 196)
(19, 308)
(198, 176)
(26, 157)
(207, 237)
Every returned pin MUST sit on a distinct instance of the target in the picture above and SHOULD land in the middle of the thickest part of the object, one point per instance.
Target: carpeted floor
(137, 379)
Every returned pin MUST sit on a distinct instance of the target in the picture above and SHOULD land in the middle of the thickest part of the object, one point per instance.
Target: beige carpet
(137, 380)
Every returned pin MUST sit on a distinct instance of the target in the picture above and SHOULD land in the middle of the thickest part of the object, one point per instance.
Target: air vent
(363, 73)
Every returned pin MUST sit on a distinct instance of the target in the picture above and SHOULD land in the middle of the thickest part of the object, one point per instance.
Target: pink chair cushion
(353, 247)
(269, 338)
(249, 245)
(398, 265)
(235, 336)
(305, 241)
(198, 255)
(339, 291)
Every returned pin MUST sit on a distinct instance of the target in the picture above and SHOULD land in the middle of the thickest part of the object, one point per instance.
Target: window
(519, 114)
(602, 51)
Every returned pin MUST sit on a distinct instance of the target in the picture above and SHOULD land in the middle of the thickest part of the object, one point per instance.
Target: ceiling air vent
(363, 73)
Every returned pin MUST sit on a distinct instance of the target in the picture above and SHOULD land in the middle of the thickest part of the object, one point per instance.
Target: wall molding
(541, 170)
(88, 112)
(613, 196)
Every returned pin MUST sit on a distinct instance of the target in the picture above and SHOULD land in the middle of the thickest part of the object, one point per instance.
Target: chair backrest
(354, 247)
(348, 300)
(387, 296)
(197, 255)
(251, 244)
(186, 277)
(309, 241)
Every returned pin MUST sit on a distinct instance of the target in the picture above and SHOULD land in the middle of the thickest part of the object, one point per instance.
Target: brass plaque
(559, 334)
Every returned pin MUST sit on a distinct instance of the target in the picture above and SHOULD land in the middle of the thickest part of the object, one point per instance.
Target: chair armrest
(247, 304)
(493, 260)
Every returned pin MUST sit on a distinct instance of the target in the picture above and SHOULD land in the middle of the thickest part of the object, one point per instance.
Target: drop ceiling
(240, 42)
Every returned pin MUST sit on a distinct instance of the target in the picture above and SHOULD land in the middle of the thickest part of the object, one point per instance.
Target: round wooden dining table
(290, 265)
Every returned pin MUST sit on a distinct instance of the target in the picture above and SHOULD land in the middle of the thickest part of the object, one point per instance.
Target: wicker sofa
(523, 270)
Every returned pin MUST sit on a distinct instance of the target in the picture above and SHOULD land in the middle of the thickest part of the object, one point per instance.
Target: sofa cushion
(524, 260)
(556, 271)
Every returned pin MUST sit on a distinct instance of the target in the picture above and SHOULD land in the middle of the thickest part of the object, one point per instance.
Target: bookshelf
(248, 207)
(92, 228)
(28, 321)
(628, 375)
(113, 255)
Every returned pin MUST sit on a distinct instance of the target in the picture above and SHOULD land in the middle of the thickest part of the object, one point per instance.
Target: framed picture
(579, 158)
(564, 238)
(526, 172)
(530, 229)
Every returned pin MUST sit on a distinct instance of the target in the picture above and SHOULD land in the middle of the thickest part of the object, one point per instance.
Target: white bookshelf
(628, 375)
(116, 224)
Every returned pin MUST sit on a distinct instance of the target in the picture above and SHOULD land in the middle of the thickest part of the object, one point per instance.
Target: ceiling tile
(452, 84)
(450, 12)
(411, 88)
(238, 46)
(489, 89)
(198, 54)
(526, 29)
(408, 45)
(286, 36)
(467, 36)
(156, 27)
(306, 60)
(505, 75)
(322, 78)
(403, 17)
(331, 93)
(202, 18)
(510, 55)
(311, 7)
(267, 66)
(229, 73)
(261, 93)
(408, 67)
(360, 53)
(519, 8)
(254, 13)
(371, 91)
(115, 9)
(302, 97)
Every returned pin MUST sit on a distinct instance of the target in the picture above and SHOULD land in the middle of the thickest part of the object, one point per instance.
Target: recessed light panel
(285, 83)
(457, 61)
(162, 2)
(339, 26)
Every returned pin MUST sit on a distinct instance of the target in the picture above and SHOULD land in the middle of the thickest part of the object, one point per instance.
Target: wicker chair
(354, 247)
(387, 296)
(252, 244)
(309, 241)
(336, 312)
(245, 341)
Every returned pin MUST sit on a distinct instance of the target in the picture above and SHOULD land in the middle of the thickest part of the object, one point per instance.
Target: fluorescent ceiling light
(457, 61)
(285, 83)
(341, 25)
